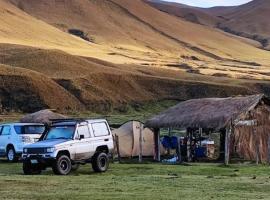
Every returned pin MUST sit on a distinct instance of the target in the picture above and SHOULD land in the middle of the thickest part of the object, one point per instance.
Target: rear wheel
(11, 154)
(29, 169)
(100, 162)
(62, 165)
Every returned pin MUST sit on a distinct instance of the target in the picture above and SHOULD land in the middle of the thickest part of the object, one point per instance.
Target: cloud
(211, 3)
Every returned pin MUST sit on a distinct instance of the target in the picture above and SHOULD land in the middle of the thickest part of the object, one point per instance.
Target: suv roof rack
(67, 120)
(78, 120)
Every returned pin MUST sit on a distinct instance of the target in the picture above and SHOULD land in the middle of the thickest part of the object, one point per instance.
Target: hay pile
(43, 116)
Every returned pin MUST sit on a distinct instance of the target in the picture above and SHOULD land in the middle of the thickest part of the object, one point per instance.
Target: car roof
(21, 124)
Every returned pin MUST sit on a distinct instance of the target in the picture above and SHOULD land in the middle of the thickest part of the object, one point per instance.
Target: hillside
(159, 42)
(189, 13)
(249, 20)
(127, 56)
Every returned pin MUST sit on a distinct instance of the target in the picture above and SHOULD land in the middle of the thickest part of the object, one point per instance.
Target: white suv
(69, 143)
(13, 138)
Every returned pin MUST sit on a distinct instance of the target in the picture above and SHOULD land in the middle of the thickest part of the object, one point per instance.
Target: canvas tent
(129, 139)
(244, 121)
(43, 116)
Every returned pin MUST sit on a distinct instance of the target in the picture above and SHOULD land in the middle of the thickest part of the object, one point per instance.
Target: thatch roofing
(215, 113)
(43, 116)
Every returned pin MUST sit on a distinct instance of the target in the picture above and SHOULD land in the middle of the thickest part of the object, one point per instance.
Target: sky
(211, 3)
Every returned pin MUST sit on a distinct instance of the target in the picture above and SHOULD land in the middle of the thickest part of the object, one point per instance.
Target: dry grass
(129, 61)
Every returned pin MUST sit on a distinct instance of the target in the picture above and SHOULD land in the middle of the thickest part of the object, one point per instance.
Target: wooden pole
(268, 157)
(117, 148)
(157, 144)
(179, 150)
(257, 144)
(227, 145)
(200, 131)
(188, 147)
(141, 143)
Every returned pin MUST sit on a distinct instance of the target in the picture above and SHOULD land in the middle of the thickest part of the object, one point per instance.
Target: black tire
(62, 165)
(100, 162)
(11, 154)
(75, 167)
(29, 169)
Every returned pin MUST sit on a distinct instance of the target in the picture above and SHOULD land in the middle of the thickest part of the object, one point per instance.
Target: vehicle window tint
(60, 132)
(83, 130)
(33, 129)
(1, 130)
(100, 129)
(5, 130)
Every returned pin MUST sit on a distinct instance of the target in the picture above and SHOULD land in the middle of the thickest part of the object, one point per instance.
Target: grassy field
(140, 181)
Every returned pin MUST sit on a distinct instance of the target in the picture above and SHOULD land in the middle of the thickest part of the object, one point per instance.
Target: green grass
(140, 181)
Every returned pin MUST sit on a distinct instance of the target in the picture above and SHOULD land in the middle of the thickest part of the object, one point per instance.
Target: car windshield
(60, 132)
(29, 129)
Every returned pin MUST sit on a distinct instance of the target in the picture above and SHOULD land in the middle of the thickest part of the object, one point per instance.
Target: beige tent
(129, 139)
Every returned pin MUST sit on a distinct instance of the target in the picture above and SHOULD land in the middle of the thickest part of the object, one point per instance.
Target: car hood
(47, 143)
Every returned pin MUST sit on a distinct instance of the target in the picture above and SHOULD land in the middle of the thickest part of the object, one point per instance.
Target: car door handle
(106, 140)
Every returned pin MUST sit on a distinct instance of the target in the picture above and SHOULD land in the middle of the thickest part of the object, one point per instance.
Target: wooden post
(117, 148)
(140, 143)
(179, 150)
(257, 144)
(227, 145)
(268, 157)
(188, 147)
(200, 133)
(157, 145)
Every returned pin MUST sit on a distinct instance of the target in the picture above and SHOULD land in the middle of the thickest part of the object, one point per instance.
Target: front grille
(36, 150)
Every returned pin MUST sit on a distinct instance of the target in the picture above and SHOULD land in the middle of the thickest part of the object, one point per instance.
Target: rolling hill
(249, 20)
(129, 55)
(189, 13)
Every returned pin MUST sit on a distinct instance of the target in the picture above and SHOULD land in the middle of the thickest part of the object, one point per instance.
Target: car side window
(5, 130)
(83, 130)
(1, 130)
(100, 129)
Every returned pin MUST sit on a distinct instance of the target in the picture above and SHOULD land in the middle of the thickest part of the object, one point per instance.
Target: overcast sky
(211, 3)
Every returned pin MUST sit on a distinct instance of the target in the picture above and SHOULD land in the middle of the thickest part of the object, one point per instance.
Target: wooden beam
(117, 148)
(179, 150)
(157, 145)
(227, 145)
(141, 143)
(257, 145)
(268, 157)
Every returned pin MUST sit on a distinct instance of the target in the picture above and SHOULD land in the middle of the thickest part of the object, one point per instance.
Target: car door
(101, 134)
(82, 145)
(4, 138)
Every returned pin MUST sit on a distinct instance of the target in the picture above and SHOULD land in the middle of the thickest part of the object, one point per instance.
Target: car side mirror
(81, 137)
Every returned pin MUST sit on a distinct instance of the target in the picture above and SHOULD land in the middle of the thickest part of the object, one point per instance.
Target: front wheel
(29, 169)
(11, 155)
(62, 165)
(100, 162)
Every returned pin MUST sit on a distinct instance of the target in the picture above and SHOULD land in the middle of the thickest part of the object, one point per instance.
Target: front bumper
(42, 161)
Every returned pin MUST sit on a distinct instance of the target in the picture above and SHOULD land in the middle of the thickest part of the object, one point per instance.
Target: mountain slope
(189, 13)
(121, 24)
(249, 20)
(133, 56)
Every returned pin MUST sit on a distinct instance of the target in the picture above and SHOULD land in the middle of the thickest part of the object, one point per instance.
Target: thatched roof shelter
(212, 113)
(43, 116)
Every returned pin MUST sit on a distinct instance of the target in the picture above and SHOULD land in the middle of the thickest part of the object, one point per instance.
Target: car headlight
(50, 150)
(25, 150)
